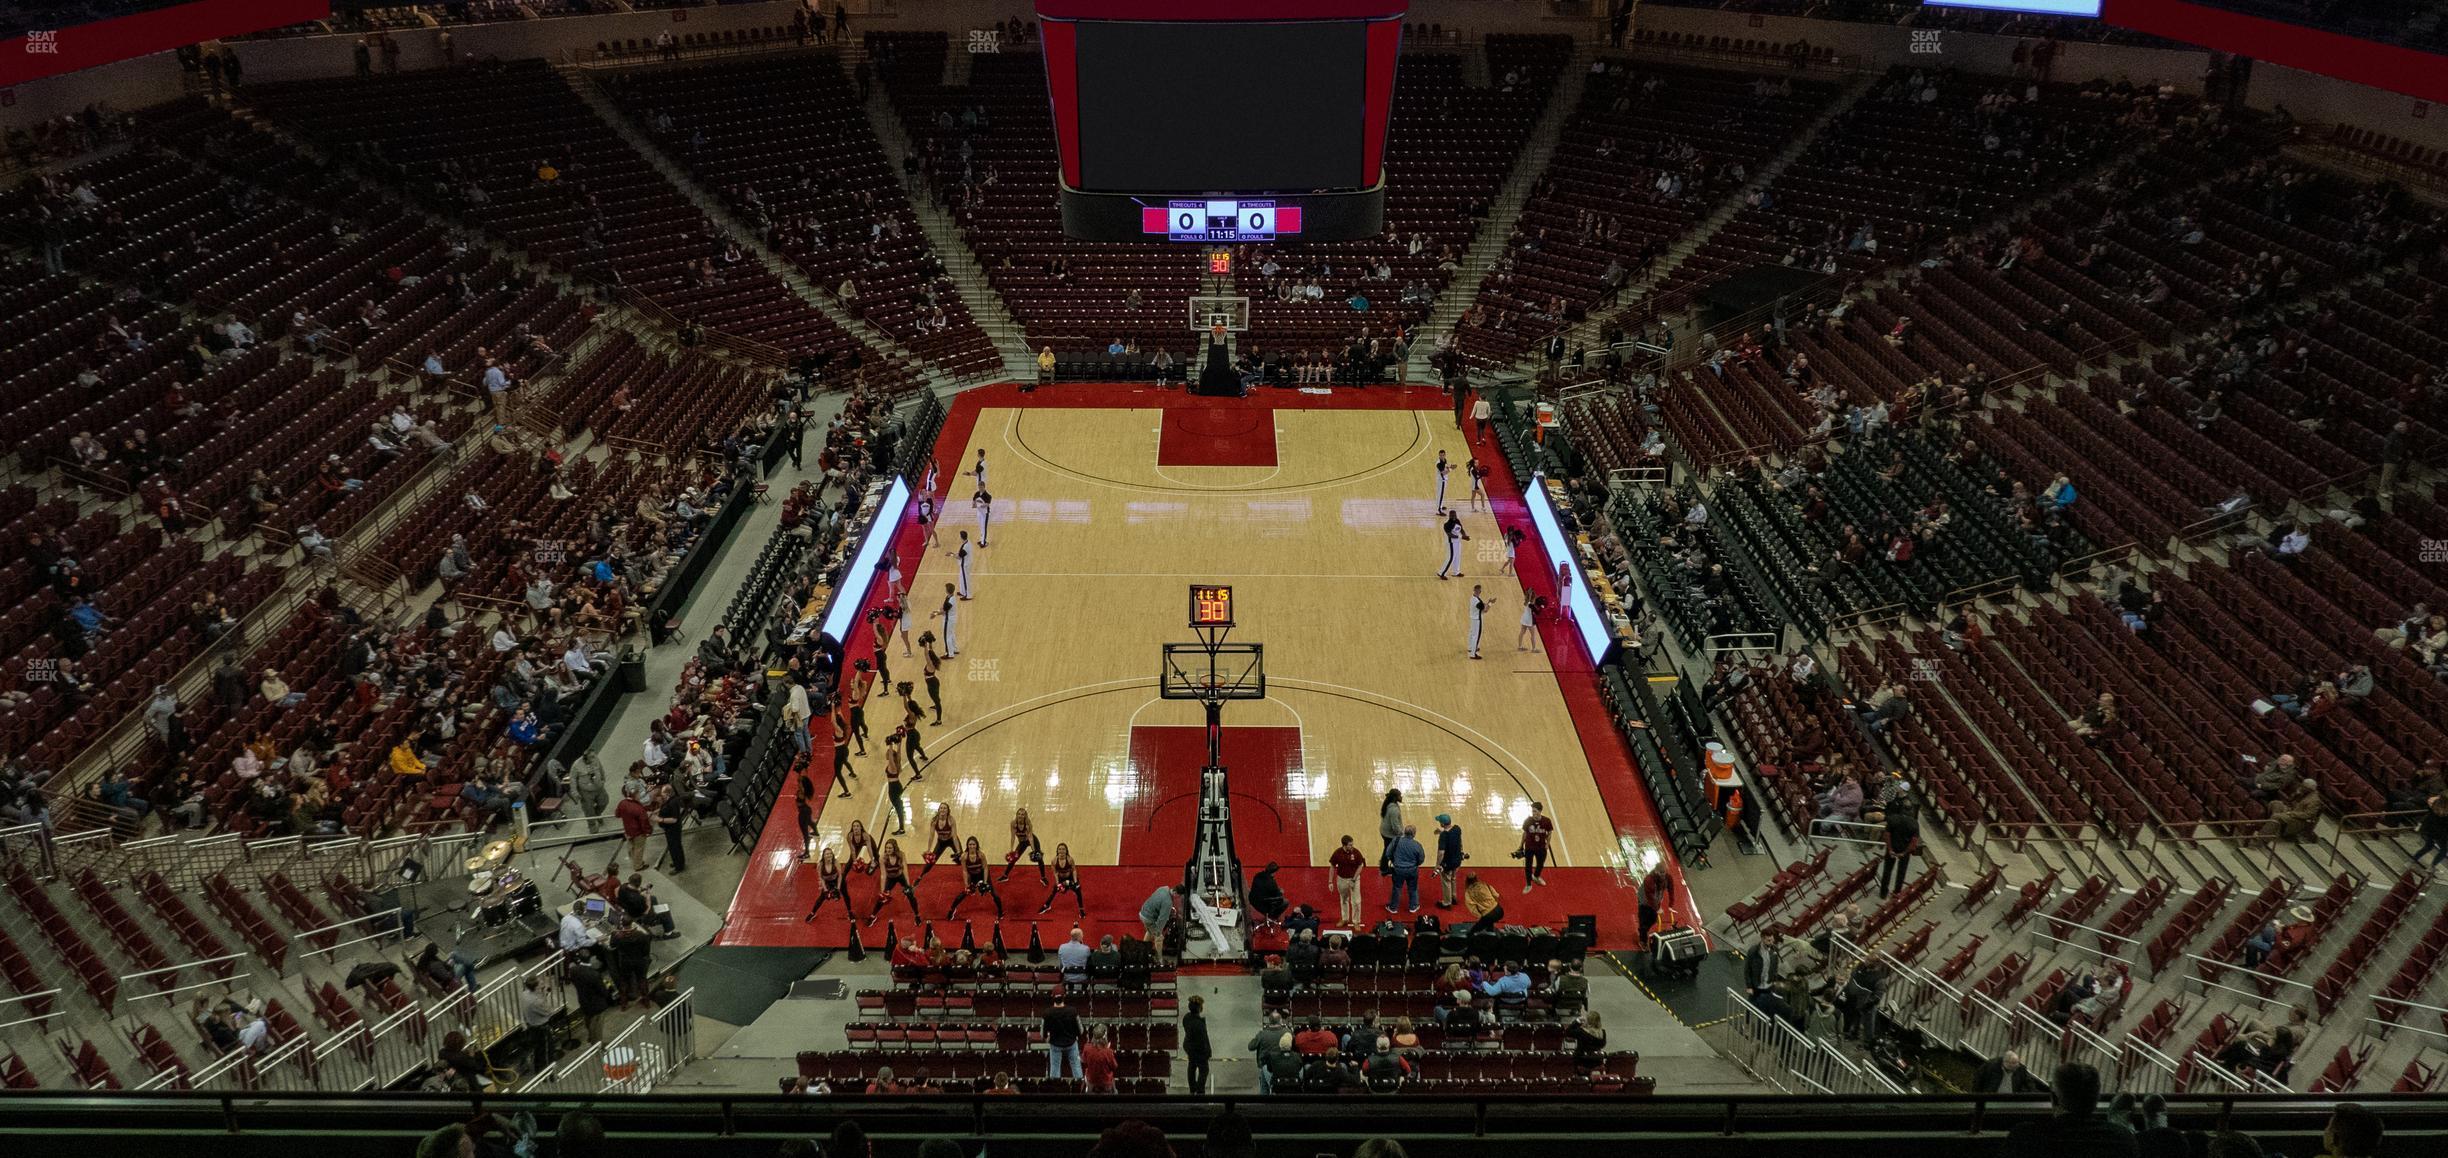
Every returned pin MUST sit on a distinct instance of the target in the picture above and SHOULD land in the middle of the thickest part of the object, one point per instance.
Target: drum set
(497, 893)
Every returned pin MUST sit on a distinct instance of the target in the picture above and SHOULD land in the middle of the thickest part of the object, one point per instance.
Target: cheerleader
(975, 880)
(926, 511)
(892, 872)
(947, 839)
(900, 618)
(1066, 880)
(910, 716)
(1455, 536)
(892, 782)
(934, 672)
(862, 681)
(880, 621)
(1529, 624)
(1478, 480)
(863, 850)
(1513, 537)
(888, 568)
(831, 881)
(1024, 843)
(934, 475)
(842, 775)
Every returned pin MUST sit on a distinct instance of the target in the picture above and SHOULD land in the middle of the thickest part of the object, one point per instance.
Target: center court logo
(42, 43)
(1925, 42)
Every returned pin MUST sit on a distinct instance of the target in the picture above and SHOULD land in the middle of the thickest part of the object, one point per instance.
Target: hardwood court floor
(1332, 551)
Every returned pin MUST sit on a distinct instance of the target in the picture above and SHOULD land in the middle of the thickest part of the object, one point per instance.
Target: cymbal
(478, 864)
(481, 883)
(497, 852)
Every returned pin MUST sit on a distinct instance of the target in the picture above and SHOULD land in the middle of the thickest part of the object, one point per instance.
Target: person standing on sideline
(1527, 638)
(1444, 468)
(637, 823)
(1455, 536)
(985, 511)
(1346, 863)
(1480, 412)
(1062, 1038)
(1902, 843)
(1389, 824)
(1478, 480)
(1657, 891)
(1536, 832)
(949, 612)
(1513, 537)
(962, 554)
(978, 472)
(1098, 1065)
(926, 518)
(1478, 618)
(1195, 1050)
(934, 675)
(673, 813)
(1156, 916)
(1403, 863)
(1449, 857)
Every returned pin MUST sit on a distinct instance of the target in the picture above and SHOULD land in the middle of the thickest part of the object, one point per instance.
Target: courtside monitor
(1217, 121)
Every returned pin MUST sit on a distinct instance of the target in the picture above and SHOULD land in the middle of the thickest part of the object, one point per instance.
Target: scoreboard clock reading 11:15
(1220, 220)
(1210, 605)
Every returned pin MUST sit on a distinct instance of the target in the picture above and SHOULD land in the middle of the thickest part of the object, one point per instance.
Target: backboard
(1227, 671)
(1208, 309)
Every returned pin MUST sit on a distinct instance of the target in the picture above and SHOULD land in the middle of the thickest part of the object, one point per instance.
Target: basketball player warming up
(1066, 880)
(974, 881)
(893, 873)
(1024, 843)
(831, 882)
(1455, 536)
(947, 840)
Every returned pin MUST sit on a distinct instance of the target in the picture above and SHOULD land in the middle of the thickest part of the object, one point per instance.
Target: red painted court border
(776, 890)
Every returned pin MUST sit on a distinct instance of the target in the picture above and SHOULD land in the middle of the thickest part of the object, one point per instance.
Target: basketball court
(1319, 510)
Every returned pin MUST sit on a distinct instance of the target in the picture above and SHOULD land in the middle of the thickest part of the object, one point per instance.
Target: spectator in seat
(2353, 1132)
(1385, 1070)
(1461, 1019)
(2077, 1127)
(2294, 818)
(1072, 958)
(2099, 721)
(2257, 947)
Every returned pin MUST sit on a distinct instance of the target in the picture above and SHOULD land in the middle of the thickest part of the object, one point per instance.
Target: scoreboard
(1218, 220)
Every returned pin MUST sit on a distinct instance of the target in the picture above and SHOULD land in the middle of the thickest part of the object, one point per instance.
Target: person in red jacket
(1097, 1061)
(636, 825)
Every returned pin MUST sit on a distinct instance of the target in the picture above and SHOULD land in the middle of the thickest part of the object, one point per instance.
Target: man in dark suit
(2004, 1074)
(2077, 1127)
(1759, 969)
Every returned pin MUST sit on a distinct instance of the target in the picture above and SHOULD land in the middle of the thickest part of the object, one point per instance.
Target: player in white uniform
(950, 614)
(1443, 468)
(1455, 536)
(979, 471)
(1478, 618)
(962, 553)
(985, 510)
